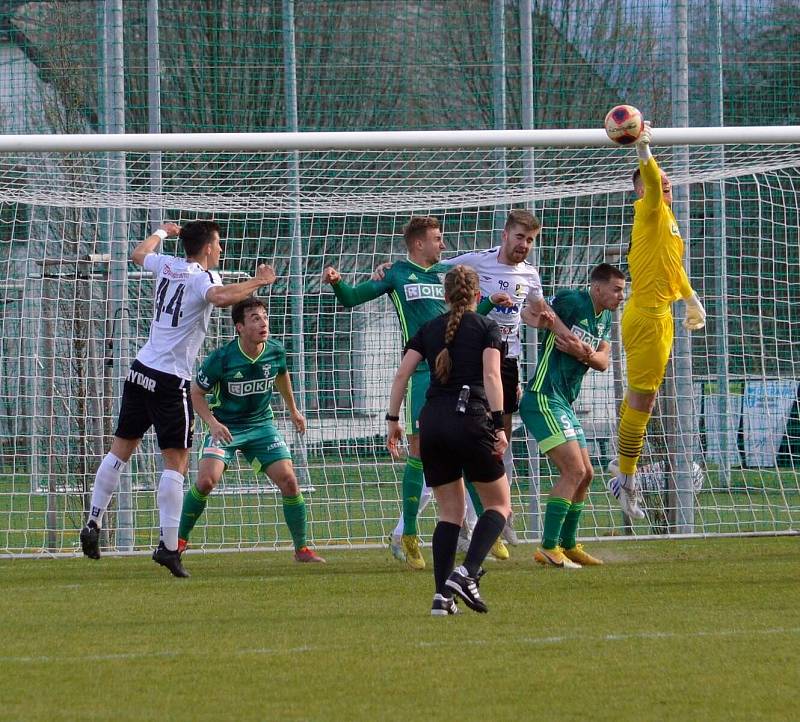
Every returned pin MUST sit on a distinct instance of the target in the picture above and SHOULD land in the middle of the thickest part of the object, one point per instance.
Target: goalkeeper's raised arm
(656, 253)
(658, 278)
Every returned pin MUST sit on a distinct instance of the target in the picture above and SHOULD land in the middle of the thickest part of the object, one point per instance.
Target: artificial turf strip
(701, 629)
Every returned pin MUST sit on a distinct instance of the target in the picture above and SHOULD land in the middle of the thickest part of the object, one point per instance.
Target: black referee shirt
(475, 333)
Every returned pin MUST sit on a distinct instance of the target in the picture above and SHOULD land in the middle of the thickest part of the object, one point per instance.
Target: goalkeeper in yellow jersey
(655, 261)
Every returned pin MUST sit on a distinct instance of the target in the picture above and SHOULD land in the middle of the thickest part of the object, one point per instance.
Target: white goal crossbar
(386, 140)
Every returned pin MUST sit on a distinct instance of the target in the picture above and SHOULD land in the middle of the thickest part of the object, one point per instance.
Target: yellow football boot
(410, 544)
(554, 558)
(499, 550)
(582, 557)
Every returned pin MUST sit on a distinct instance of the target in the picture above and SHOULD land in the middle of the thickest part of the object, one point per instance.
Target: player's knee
(205, 483)
(573, 478)
(287, 483)
(588, 475)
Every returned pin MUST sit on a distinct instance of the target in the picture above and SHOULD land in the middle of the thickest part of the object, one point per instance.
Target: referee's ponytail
(461, 287)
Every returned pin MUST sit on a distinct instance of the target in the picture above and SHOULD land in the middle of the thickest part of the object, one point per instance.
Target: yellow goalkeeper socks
(632, 427)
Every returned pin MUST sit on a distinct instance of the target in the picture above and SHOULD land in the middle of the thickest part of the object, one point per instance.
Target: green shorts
(415, 398)
(550, 420)
(261, 445)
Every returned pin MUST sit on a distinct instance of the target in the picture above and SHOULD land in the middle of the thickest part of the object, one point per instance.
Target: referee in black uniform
(461, 432)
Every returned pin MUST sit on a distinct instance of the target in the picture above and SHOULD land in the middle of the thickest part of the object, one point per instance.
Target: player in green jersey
(415, 287)
(546, 406)
(240, 377)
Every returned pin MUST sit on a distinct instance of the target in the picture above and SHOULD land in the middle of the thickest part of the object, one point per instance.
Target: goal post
(722, 450)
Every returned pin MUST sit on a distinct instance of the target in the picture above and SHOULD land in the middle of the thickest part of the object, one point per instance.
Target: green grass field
(672, 630)
(356, 501)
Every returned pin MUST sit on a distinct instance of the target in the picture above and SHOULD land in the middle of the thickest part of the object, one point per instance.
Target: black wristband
(497, 420)
(389, 417)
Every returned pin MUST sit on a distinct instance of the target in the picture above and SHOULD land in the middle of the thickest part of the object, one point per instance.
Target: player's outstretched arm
(538, 314)
(216, 428)
(152, 242)
(283, 383)
(224, 296)
(394, 432)
(350, 296)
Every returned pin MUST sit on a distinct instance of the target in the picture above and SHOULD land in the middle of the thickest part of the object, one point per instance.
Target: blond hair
(460, 287)
(521, 217)
(418, 227)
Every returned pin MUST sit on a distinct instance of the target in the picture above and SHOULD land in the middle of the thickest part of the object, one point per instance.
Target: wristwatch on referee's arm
(392, 417)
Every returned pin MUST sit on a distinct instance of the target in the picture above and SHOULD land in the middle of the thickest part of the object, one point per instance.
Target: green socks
(294, 511)
(194, 504)
(476, 500)
(413, 480)
(569, 530)
(554, 516)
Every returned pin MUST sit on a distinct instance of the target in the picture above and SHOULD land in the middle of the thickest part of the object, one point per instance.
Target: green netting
(377, 65)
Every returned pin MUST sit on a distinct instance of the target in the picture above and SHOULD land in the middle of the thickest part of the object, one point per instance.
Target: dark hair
(196, 234)
(605, 272)
(239, 309)
(521, 217)
(417, 227)
(636, 175)
(460, 286)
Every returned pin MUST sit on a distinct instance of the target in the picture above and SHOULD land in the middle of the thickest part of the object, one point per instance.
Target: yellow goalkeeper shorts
(647, 339)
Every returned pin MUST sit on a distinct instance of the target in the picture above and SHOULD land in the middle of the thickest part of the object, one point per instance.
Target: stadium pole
(684, 440)
(498, 29)
(114, 74)
(531, 335)
(298, 256)
(720, 255)
(154, 109)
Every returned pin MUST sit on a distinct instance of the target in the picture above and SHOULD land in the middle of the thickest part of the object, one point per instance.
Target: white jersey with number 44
(181, 314)
(520, 282)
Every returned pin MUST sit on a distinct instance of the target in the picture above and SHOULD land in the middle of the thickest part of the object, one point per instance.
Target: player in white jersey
(507, 281)
(156, 391)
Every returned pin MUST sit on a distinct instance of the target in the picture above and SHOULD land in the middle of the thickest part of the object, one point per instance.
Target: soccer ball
(624, 124)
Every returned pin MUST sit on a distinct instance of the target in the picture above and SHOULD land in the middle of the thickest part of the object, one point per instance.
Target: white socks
(471, 516)
(106, 481)
(508, 463)
(170, 503)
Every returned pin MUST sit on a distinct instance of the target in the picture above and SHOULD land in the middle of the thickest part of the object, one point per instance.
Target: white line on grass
(170, 654)
(619, 637)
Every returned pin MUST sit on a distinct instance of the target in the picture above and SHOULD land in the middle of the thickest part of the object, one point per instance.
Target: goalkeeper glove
(695, 314)
(643, 142)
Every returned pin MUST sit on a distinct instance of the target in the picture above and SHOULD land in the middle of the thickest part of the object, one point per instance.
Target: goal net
(723, 446)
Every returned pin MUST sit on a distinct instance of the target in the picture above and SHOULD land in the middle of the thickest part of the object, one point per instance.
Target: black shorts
(453, 445)
(509, 375)
(153, 398)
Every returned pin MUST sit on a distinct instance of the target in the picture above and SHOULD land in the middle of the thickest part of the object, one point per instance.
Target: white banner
(766, 408)
(713, 406)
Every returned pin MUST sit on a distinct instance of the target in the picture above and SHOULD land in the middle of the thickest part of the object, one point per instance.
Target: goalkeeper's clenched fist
(695, 314)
